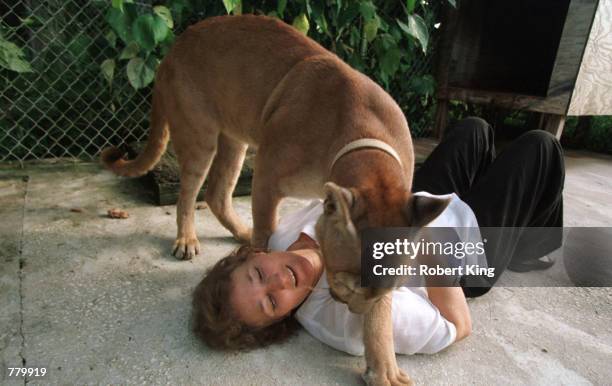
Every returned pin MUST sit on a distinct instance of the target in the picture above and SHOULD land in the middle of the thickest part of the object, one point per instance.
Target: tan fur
(237, 80)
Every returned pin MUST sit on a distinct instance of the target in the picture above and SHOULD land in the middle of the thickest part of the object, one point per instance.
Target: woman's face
(268, 286)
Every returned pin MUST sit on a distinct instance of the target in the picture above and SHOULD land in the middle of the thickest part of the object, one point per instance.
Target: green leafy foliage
(595, 136)
(280, 7)
(146, 35)
(121, 20)
(410, 4)
(130, 51)
(108, 70)
(86, 79)
(301, 23)
(143, 30)
(232, 5)
(165, 14)
(416, 28)
(140, 72)
(380, 38)
(12, 57)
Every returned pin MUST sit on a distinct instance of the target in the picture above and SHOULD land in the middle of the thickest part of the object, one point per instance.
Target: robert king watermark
(477, 257)
(422, 256)
(422, 248)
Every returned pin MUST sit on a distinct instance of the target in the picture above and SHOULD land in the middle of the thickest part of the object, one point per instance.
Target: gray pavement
(101, 301)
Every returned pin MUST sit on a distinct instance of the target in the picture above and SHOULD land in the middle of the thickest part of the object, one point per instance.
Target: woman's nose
(276, 282)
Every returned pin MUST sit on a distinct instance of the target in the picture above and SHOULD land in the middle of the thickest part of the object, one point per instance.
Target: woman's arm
(451, 303)
(418, 326)
(303, 242)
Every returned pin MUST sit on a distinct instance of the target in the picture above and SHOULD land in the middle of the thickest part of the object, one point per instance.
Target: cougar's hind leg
(195, 149)
(222, 179)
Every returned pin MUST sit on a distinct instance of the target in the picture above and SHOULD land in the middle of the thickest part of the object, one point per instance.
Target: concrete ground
(101, 301)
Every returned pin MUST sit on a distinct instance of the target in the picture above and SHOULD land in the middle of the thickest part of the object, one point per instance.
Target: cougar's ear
(421, 210)
(338, 202)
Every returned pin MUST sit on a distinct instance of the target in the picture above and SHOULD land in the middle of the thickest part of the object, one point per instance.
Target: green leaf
(356, 61)
(389, 63)
(280, 8)
(121, 22)
(417, 29)
(167, 44)
(387, 41)
(117, 4)
(111, 38)
(238, 8)
(179, 7)
(108, 70)
(410, 4)
(318, 15)
(143, 31)
(160, 29)
(165, 14)
(346, 17)
(423, 85)
(11, 57)
(231, 5)
(301, 23)
(453, 3)
(367, 9)
(338, 7)
(31, 21)
(140, 73)
(130, 51)
(370, 28)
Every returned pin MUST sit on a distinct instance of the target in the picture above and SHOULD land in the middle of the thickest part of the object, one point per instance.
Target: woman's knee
(542, 148)
(473, 127)
(542, 141)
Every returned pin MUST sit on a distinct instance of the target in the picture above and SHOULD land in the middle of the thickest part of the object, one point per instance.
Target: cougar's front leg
(265, 200)
(382, 368)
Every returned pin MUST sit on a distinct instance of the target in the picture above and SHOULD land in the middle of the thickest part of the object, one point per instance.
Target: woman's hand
(453, 306)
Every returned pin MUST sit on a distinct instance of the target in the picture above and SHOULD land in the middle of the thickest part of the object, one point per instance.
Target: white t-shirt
(418, 326)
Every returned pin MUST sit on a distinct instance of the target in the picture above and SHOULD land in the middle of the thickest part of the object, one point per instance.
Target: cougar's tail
(112, 157)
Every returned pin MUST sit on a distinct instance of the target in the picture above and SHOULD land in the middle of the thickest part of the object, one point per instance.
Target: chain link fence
(64, 108)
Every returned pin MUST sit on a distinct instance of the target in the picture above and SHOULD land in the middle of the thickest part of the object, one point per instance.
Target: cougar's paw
(185, 248)
(259, 241)
(346, 288)
(344, 285)
(391, 376)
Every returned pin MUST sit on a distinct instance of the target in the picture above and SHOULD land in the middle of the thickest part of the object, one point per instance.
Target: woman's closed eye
(259, 274)
(272, 302)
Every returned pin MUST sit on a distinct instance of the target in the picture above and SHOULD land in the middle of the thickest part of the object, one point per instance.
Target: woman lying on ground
(253, 298)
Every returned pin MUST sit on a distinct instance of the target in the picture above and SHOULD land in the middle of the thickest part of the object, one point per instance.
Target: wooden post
(441, 118)
(553, 123)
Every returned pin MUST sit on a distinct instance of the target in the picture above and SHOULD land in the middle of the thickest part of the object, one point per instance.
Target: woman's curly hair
(213, 319)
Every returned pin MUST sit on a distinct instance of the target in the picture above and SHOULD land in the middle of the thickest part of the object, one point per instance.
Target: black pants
(519, 190)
